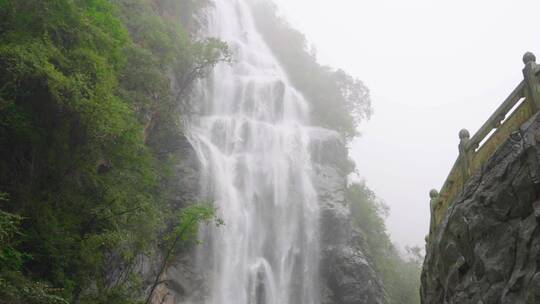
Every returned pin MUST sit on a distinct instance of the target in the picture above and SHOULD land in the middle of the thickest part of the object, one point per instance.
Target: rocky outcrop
(487, 248)
(347, 272)
(181, 280)
(180, 283)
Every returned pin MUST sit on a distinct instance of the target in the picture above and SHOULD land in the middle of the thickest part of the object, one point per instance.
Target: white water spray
(253, 143)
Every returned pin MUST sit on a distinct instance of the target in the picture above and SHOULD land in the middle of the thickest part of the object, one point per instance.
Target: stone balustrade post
(464, 154)
(532, 91)
(433, 201)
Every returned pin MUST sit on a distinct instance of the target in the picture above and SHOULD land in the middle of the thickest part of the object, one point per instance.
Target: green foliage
(15, 288)
(184, 231)
(10, 258)
(189, 220)
(70, 131)
(184, 9)
(86, 109)
(166, 48)
(400, 275)
(339, 101)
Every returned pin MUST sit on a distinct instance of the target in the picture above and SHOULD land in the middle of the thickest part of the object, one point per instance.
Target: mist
(269, 152)
(433, 68)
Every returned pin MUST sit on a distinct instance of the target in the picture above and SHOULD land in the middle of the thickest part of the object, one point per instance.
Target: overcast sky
(433, 67)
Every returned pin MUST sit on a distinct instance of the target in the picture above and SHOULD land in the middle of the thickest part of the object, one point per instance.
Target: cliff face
(486, 249)
(181, 280)
(348, 274)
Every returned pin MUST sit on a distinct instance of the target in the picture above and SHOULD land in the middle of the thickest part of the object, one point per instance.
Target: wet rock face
(347, 273)
(181, 280)
(487, 248)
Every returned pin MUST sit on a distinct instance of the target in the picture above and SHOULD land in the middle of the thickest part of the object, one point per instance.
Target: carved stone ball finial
(433, 193)
(464, 134)
(529, 57)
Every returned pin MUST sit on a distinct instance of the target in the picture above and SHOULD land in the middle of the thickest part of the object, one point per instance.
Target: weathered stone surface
(486, 250)
(180, 281)
(347, 272)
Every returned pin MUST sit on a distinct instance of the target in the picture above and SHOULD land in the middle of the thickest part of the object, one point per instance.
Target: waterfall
(252, 138)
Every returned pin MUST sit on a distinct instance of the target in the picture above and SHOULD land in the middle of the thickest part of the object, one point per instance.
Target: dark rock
(348, 276)
(347, 271)
(486, 249)
(181, 280)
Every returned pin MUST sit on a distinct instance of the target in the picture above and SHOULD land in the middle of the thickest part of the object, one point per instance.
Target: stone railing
(475, 150)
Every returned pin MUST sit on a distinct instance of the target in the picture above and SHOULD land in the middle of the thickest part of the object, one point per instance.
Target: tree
(400, 274)
(15, 288)
(87, 108)
(186, 230)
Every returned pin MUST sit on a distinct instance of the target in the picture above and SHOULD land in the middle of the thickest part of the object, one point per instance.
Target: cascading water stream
(253, 140)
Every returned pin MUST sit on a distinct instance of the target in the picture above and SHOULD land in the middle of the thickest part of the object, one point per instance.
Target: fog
(433, 67)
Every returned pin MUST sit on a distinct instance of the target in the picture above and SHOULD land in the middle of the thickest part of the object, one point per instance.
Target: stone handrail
(474, 151)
